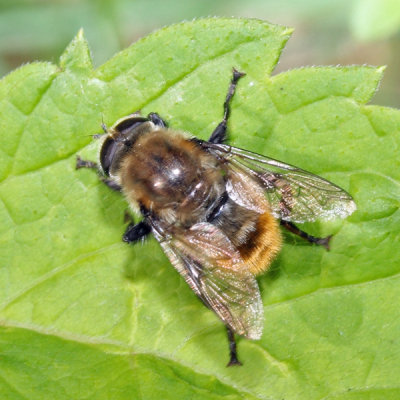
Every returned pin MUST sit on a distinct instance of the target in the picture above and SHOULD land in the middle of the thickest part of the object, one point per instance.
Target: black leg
(157, 120)
(219, 134)
(104, 126)
(93, 165)
(111, 184)
(136, 232)
(85, 163)
(312, 239)
(233, 359)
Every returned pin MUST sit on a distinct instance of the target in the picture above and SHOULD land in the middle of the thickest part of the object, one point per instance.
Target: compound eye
(107, 153)
(124, 135)
(129, 124)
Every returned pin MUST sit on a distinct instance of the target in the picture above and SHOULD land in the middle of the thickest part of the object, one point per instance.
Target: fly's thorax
(171, 176)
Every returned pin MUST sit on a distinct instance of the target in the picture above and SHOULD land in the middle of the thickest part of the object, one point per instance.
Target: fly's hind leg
(233, 359)
(93, 165)
(219, 134)
(312, 239)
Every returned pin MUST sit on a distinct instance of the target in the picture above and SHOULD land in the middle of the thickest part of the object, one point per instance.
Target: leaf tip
(80, 35)
(77, 54)
(381, 69)
(287, 31)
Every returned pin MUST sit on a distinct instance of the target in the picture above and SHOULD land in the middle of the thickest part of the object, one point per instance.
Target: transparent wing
(214, 270)
(292, 193)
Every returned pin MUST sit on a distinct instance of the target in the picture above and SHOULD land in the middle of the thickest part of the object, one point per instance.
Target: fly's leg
(219, 134)
(157, 120)
(312, 239)
(136, 232)
(85, 163)
(93, 165)
(233, 359)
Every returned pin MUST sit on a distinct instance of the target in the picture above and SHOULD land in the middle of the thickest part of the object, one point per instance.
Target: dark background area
(327, 32)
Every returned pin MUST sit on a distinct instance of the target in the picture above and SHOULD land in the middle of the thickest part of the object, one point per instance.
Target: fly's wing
(292, 193)
(214, 270)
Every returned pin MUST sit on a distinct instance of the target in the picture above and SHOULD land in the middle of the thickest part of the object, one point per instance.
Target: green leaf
(84, 316)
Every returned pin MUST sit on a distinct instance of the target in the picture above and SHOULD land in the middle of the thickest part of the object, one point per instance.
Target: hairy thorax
(172, 177)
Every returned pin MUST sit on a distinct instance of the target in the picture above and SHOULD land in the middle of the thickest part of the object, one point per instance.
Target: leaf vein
(51, 274)
(29, 115)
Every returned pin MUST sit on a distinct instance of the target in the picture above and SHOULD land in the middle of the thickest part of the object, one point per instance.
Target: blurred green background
(326, 31)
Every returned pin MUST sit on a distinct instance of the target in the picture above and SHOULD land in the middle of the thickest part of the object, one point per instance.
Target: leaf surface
(84, 316)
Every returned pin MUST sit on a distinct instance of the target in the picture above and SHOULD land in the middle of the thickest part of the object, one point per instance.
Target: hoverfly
(214, 209)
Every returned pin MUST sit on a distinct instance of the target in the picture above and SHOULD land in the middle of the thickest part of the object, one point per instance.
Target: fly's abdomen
(255, 235)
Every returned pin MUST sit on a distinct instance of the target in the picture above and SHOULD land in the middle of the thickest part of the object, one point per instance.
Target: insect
(214, 209)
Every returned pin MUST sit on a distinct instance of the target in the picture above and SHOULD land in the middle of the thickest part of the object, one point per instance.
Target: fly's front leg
(219, 134)
(133, 232)
(157, 120)
(136, 232)
(233, 359)
(312, 239)
(93, 165)
(85, 164)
